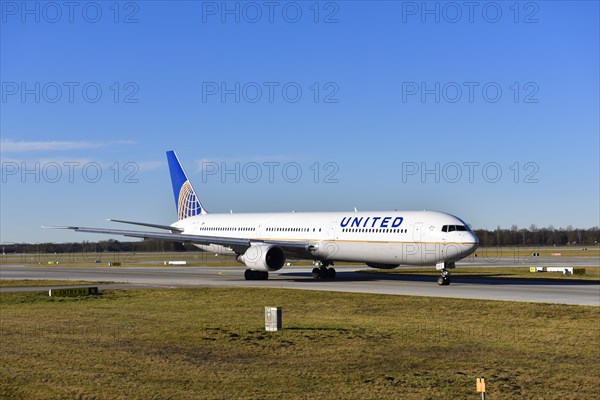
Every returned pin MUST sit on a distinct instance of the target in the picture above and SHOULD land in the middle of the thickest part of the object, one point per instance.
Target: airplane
(264, 241)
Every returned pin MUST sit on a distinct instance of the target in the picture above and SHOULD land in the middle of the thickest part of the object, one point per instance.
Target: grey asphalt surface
(291, 277)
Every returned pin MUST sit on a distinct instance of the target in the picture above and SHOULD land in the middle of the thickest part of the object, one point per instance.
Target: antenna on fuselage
(355, 210)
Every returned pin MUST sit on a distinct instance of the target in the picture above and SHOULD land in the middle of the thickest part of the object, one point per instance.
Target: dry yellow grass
(209, 343)
(36, 282)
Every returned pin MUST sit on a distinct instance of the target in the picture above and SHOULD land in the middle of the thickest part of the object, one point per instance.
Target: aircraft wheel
(444, 280)
(330, 273)
(252, 275)
(316, 273)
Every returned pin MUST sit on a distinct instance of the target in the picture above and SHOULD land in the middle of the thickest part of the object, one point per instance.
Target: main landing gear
(444, 279)
(254, 275)
(322, 270)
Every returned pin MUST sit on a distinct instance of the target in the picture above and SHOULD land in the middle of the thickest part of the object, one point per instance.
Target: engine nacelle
(263, 257)
(383, 266)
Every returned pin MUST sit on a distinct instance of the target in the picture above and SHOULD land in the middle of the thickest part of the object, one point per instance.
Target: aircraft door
(417, 232)
(332, 229)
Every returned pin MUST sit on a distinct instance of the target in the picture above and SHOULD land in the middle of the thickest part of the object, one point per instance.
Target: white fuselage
(390, 238)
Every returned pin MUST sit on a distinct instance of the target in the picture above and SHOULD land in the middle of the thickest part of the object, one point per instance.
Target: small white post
(273, 321)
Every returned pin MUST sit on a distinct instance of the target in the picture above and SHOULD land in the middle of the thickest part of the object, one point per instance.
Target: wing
(173, 229)
(239, 245)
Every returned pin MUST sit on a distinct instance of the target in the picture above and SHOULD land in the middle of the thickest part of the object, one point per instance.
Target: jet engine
(263, 257)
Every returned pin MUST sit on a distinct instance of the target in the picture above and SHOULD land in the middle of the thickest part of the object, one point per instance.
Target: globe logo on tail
(187, 204)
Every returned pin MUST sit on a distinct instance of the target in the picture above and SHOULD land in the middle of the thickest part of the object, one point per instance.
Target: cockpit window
(452, 228)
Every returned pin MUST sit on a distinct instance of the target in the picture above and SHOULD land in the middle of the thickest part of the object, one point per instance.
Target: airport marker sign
(74, 292)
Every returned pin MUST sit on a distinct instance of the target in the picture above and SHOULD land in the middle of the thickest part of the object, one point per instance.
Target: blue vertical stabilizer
(186, 200)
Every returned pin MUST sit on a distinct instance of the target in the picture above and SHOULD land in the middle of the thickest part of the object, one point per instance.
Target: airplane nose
(474, 242)
(470, 242)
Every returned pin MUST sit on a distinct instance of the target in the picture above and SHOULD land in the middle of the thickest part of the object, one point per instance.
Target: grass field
(150, 259)
(209, 343)
(36, 282)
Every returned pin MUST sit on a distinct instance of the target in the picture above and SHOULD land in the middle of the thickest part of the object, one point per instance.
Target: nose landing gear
(444, 279)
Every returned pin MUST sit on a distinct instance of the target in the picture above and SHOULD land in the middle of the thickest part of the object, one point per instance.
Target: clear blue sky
(387, 89)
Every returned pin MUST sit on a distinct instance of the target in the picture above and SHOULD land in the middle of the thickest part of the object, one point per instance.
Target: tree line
(103, 246)
(513, 236)
(534, 236)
